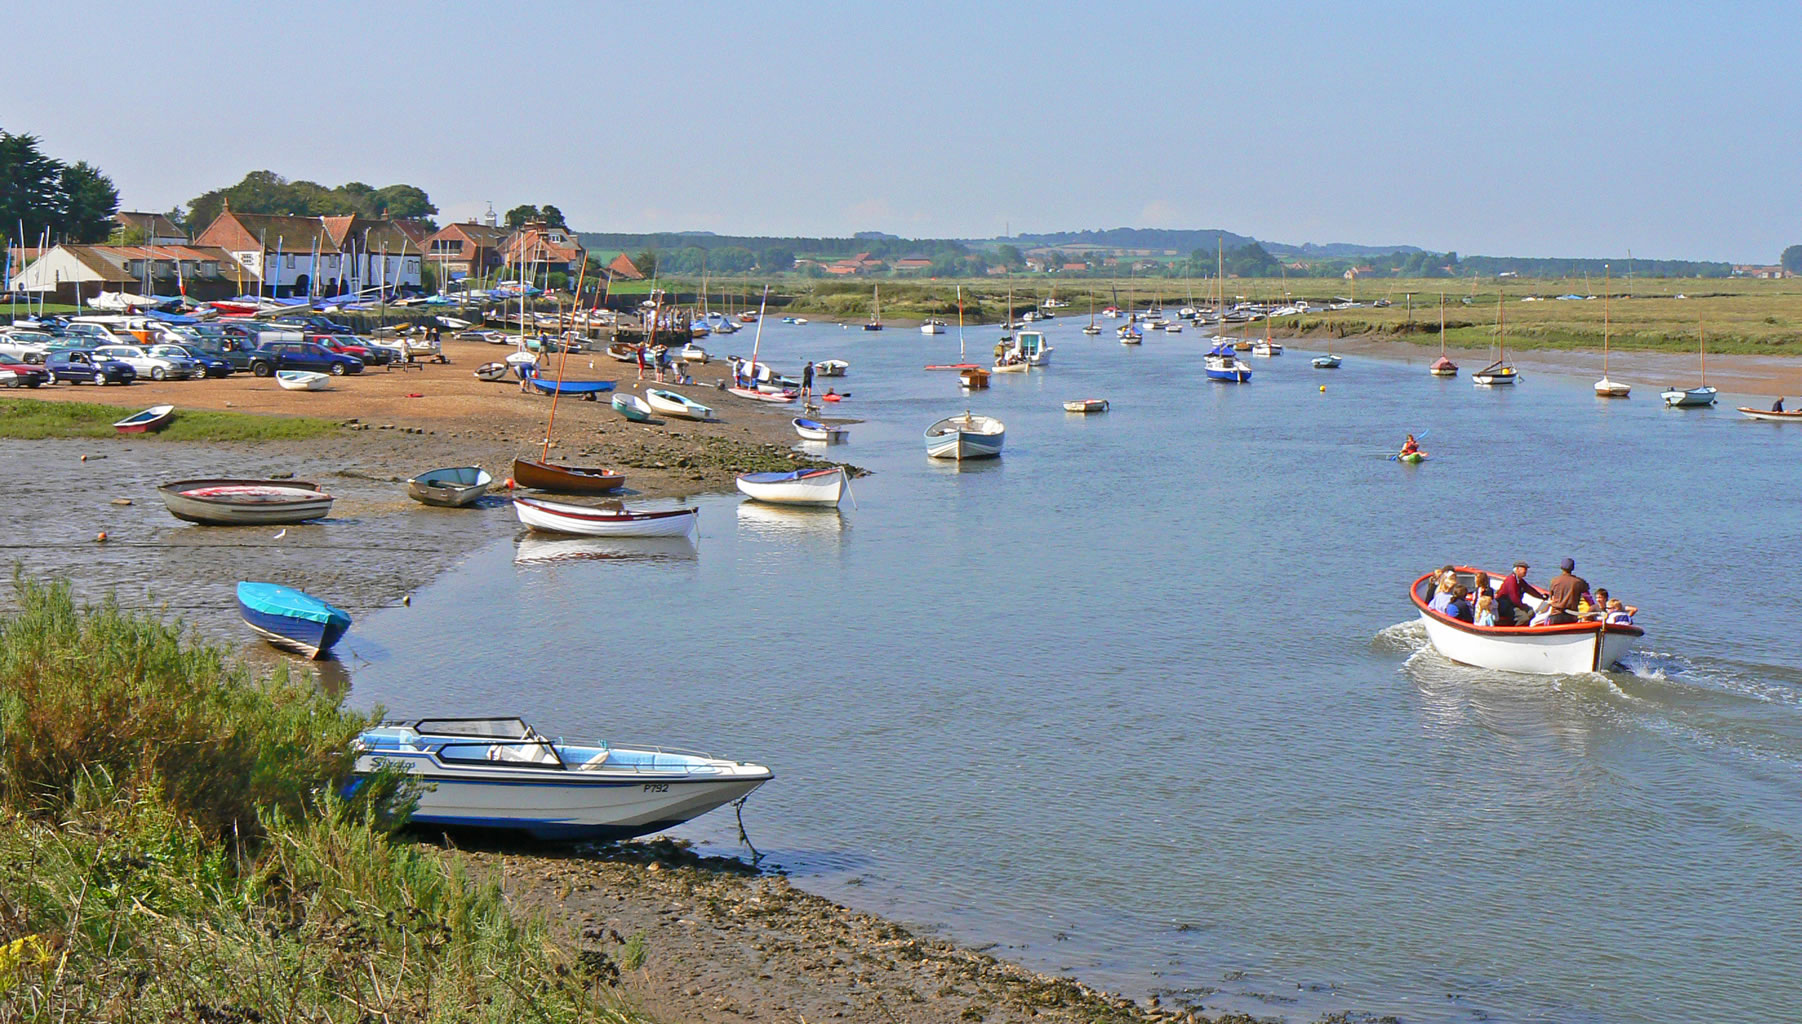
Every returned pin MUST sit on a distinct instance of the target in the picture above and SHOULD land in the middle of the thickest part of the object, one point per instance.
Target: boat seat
(524, 753)
(594, 763)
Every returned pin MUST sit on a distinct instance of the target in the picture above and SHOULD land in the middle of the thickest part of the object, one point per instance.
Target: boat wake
(1408, 637)
(1766, 684)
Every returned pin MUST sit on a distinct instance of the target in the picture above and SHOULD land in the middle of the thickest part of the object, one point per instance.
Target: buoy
(509, 483)
(84, 458)
(1323, 389)
(407, 600)
(101, 539)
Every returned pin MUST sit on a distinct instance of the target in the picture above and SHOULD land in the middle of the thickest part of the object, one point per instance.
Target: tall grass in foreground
(171, 848)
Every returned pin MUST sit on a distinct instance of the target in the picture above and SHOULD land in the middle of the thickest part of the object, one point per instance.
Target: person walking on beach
(807, 380)
(639, 352)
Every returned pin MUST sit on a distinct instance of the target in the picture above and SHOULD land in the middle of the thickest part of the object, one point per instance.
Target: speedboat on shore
(499, 773)
(1568, 649)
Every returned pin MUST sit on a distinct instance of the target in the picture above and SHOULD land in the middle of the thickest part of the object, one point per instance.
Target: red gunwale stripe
(1563, 628)
(600, 516)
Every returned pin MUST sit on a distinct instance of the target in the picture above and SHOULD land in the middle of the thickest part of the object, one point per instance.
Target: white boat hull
(589, 521)
(965, 437)
(1690, 398)
(302, 380)
(687, 409)
(1769, 416)
(1568, 649)
(822, 489)
(932, 328)
(1606, 388)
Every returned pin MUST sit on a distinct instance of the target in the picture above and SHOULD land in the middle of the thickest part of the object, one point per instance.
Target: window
(290, 261)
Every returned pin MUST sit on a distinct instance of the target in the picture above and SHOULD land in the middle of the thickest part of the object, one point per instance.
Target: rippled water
(1142, 700)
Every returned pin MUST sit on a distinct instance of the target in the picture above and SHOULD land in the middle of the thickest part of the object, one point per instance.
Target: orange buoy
(509, 483)
(101, 539)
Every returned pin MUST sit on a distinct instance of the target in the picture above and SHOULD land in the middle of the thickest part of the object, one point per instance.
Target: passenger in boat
(1511, 608)
(1565, 592)
(1480, 587)
(1410, 446)
(1459, 606)
(1442, 599)
(1618, 613)
(1542, 617)
(1485, 610)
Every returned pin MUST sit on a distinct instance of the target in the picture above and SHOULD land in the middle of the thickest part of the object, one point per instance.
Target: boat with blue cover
(1222, 363)
(292, 619)
(500, 773)
(570, 387)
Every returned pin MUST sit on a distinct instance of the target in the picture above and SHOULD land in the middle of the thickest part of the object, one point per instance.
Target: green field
(1738, 314)
(31, 419)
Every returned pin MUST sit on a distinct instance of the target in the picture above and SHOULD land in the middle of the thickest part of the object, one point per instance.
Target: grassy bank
(31, 419)
(172, 849)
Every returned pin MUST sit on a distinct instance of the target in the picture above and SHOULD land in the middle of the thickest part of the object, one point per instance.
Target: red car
(23, 374)
(372, 357)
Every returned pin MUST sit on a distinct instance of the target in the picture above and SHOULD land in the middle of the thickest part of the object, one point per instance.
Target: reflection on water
(1134, 698)
(537, 549)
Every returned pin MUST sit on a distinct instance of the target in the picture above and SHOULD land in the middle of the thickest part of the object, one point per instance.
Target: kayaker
(1510, 605)
(1409, 447)
(1565, 592)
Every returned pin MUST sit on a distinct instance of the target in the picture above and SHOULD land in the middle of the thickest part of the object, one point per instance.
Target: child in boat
(1459, 606)
(1618, 613)
(1485, 610)
(1410, 446)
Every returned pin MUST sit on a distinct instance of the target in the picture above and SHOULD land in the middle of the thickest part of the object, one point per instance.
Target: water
(1142, 700)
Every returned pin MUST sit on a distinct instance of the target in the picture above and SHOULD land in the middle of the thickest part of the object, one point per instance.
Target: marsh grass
(173, 848)
(33, 419)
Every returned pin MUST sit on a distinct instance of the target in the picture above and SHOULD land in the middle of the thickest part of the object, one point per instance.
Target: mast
(1702, 349)
(1604, 320)
(545, 455)
(960, 324)
(1442, 325)
(757, 339)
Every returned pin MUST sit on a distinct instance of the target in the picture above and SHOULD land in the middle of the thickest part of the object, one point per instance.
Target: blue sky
(1536, 129)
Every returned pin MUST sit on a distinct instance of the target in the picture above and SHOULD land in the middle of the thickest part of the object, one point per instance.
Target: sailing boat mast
(581, 277)
(960, 324)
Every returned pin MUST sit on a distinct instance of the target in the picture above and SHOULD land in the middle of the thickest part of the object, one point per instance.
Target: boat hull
(1766, 414)
(290, 619)
(776, 398)
(1606, 388)
(1689, 398)
(1326, 362)
(154, 418)
(669, 403)
(571, 387)
(1086, 405)
(491, 372)
(303, 380)
(245, 502)
(450, 488)
(823, 487)
(586, 521)
(1569, 649)
(632, 407)
(965, 437)
(814, 430)
(542, 476)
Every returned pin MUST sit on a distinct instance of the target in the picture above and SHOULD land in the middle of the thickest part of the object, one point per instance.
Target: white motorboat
(966, 437)
(669, 403)
(801, 487)
(1568, 649)
(592, 521)
(303, 380)
(814, 430)
(693, 353)
(499, 773)
(831, 368)
(1173, 328)
(933, 327)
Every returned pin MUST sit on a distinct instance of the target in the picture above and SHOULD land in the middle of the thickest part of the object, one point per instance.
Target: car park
(348, 345)
(301, 355)
(83, 366)
(147, 365)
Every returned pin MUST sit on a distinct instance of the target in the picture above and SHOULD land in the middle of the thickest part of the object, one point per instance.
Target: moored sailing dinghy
(801, 487)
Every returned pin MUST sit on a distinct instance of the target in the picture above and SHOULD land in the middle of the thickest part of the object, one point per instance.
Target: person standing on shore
(639, 353)
(807, 380)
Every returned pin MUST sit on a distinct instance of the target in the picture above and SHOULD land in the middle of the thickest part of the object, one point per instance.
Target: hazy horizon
(1578, 130)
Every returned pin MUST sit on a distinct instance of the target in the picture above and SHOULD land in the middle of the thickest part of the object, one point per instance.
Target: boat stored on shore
(671, 403)
(303, 380)
(632, 407)
(291, 619)
(543, 476)
(227, 502)
(454, 487)
(498, 773)
(801, 487)
(1567, 649)
(154, 418)
(589, 521)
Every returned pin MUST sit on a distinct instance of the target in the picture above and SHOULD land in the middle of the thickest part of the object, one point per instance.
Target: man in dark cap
(1510, 608)
(1565, 592)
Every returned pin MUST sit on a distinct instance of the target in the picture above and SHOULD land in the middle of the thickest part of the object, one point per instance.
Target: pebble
(121, 501)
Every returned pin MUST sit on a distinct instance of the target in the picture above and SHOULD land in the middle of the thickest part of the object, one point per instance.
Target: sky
(1673, 131)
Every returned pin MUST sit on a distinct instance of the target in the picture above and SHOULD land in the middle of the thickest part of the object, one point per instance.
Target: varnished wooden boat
(543, 476)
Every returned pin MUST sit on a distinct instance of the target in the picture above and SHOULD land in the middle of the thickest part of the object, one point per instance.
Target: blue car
(301, 355)
(83, 365)
(209, 365)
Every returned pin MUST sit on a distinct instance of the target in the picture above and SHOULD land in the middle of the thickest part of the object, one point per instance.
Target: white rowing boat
(801, 487)
(669, 403)
(1567, 649)
(302, 380)
(590, 521)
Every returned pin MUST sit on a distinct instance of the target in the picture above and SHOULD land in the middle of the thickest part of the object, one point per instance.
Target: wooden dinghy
(154, 418)
(588, 521)
(453, 487)
(1568, 649)
(1086, 405)
(623, 352)
(230, 502)
(973, 378)
(965, 437)
(670, 403)
(1767, 414)
(543, 476)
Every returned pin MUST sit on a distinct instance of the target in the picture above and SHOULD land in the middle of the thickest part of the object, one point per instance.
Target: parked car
(147, 365)
(391, 347)
(349, 346)
(313, 325)
(82, 365)
(209, 365)
(25, 346)
(23, 375)
(96, 334)
(301, 355)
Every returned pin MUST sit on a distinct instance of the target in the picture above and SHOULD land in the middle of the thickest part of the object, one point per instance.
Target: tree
(30, 187)
(517, 217)
(776, 260)
(89, 202)
(646, 262)
(1792, 259)
(269, 193)
(1010, 256)
(552, 217)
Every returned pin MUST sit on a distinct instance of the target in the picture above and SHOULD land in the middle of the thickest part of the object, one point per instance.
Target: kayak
(1412, 458)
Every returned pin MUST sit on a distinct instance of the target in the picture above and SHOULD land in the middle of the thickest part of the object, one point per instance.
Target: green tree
(89, 202)
(517, 217)
(1010, 257)
(30, 187)
(1792, 259)
(776, 260)
(646, 262)
(552, 216)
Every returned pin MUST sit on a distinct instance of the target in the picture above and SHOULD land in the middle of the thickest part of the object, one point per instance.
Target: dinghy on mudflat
(590, 521)
(453, 487)
(291, 619)
(669, 403)
(227, 502)
(632, 407)
(801, 487)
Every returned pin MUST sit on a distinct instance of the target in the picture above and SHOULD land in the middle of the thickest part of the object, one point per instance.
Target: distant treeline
(1487, 266)
(830, 248)
(1140, 238)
